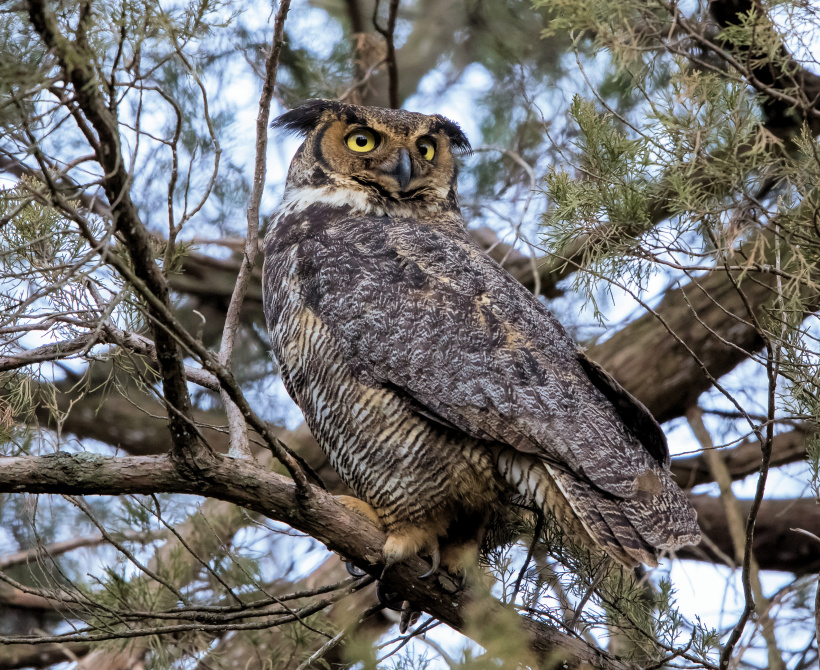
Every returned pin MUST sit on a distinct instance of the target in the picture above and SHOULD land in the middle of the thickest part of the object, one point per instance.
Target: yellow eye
(363, 140)
(427, 148)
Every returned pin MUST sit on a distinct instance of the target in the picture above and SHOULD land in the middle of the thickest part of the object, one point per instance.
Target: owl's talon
(390, 599)
(353, 570)
(436, 560)
(388, 563)
(409, 617)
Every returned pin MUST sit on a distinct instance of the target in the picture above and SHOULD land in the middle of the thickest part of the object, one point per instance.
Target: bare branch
(49, 352)
(236, 422)
(246, 484)
(743, 459)
(776, 547)
(387, 33)
(57, 548)
(737, 532)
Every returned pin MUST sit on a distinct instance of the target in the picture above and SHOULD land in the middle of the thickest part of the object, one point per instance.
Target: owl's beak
(402, 171)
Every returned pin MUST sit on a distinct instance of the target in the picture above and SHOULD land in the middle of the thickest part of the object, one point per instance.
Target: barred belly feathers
(440, 389)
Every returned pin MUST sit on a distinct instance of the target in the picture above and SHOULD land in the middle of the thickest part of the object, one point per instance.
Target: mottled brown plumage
(438, 386)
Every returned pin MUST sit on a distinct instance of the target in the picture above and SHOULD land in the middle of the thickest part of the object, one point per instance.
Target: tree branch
(737, 532)
(387, 33)
(246, 484)
(76, 62)
(743, 459)
(670, 380)
(236, 421)
(776, 547)
(22, 557)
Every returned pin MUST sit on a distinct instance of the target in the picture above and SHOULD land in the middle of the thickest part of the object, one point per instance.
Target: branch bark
(744, 459)
(76, 61)
(776, 546)
(274, 496)
(658, 370)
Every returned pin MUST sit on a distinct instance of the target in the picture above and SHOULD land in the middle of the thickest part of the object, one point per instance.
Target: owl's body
(438, 386)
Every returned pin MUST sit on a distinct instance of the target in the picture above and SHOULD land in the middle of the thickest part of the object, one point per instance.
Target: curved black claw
(353, 571)
(436, 558)
(387, 564)
(390, 599)
(409, 617)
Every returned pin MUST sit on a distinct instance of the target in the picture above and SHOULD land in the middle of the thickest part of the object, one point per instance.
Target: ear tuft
(304, 118)
(458, 140)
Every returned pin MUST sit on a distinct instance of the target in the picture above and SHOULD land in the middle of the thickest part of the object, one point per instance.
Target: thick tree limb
(743, 459)
(776, 546)
(658, 370)
(118, 423)
(272, 495)
(248, 485)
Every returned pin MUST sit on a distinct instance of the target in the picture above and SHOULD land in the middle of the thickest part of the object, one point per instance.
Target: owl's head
(391, 160)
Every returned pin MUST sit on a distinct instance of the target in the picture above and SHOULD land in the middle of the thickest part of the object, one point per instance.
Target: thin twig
(236, 421)
(361, 82)
(536, 536)
(735, 523)
(336, 639)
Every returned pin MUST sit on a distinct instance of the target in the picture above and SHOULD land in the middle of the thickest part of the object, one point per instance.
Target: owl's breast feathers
(414, 306)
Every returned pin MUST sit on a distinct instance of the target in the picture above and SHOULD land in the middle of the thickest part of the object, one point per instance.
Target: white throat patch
(335, 195)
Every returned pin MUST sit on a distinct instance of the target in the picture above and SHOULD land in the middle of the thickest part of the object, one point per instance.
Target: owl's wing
(427, 312)
(424, 310)
(632, 411)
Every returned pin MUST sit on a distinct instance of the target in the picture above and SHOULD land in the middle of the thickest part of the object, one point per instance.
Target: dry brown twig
(236, 421)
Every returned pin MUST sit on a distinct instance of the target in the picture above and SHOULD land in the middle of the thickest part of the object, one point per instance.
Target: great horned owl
(438, 386)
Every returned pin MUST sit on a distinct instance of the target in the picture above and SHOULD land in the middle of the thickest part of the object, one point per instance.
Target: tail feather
(631, 531)
(667, 520)
(613, 533)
